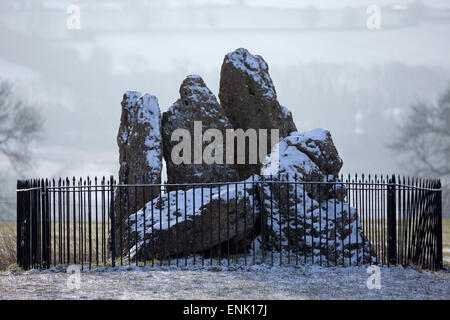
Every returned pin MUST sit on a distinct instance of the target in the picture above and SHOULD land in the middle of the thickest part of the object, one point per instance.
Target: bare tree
(423, 142)
(20, 125)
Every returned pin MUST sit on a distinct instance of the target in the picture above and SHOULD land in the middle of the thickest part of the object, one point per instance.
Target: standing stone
(126, 122)
(140, 153)
(196, 103)
(248, 96)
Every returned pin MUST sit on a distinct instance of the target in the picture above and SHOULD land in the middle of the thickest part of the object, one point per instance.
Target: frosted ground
(255, 282)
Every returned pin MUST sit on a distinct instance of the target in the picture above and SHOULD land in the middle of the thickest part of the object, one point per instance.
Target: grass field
(446, 240)
(58, 244)
(8, 243)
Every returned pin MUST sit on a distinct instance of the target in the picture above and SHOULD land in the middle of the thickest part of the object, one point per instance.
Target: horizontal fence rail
(276, 220)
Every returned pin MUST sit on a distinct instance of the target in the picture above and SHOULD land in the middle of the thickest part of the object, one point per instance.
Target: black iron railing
(353, 221)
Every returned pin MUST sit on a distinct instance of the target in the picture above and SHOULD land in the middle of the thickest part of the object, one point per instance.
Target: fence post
(20, 221)
(45, 226)
(113, 223)
(439, 225)
(26, 226)
(392, 221)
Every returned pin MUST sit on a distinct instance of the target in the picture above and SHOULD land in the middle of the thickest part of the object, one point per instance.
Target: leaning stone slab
(195, 221)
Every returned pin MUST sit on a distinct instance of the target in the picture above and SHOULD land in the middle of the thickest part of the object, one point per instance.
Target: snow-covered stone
(307, 156)
(195, 221)
(310, 219)
(140, 152)
(249, 99)
(126, 123)
(327, 232)
(196, 103)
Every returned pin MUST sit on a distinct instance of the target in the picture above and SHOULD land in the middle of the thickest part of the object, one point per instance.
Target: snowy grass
(219, 282)
(255, 282)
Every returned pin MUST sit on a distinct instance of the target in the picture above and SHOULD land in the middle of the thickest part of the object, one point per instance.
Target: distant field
(8, 243)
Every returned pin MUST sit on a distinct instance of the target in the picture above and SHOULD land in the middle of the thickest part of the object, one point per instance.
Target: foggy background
(328, 68)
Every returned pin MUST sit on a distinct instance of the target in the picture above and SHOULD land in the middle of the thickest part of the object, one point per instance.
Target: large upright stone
(248, 96)
(126, 123)
(196, 103)
(140, 153)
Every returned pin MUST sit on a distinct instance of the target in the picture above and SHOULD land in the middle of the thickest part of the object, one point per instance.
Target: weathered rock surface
(140, 152)
(307, 156)
(196, 221)
(249, 99)
(196, 103)
(310, 219)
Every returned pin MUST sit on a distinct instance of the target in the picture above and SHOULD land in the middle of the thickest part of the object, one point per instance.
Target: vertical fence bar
(103, 220)
(245, 225)
(121, 202)
(144, 208)
(34, 225)
(343, 219)
(128, 230)
(202, 221)
(210, 227)
(67, 195)
(218, 220)
(20, 207)
(153, 223)
(280, 213)
(355, 204)
(27, 227)
(263, 219)
(74, 217)
(160, 228)
(287, 219)
(439, 225)
(348, 194)
(392, 219)
(176, 226)
(136, 222)
(45, 256)
(253, 220)
(271, 230)
(319, 185)
(185, 230)
(89, 190)
(168, 228)
(228, 224)
(296, 218)
(96, 222)
(304, 221)
(63, 215)
(235, 222)
(113, 220)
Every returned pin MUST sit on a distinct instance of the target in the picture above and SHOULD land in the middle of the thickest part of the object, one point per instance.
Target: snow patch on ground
(253, 282)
